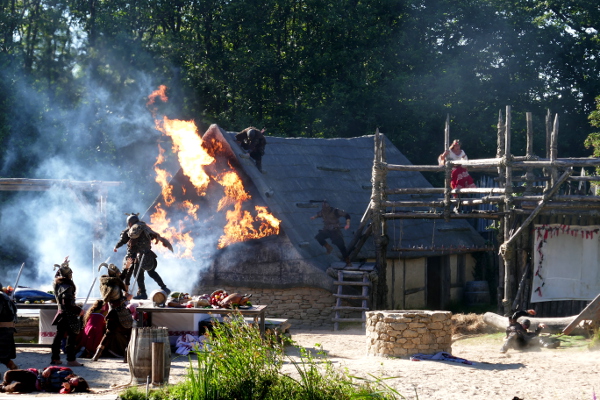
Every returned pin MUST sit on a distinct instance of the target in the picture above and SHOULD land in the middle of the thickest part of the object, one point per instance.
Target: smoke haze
(47, 226)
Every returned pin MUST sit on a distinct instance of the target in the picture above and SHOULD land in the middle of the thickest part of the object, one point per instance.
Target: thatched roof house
(298, 172)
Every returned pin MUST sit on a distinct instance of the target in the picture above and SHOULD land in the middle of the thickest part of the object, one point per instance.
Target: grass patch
(236, 363)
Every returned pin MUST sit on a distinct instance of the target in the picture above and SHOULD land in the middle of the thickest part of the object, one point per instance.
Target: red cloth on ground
(93, 332)
(460, 179)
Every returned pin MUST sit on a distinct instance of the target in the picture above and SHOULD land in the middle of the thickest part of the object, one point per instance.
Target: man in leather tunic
(138, 236)
(67, 318)
(331, 229)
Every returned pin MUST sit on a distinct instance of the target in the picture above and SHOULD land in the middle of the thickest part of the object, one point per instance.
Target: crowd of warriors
(103, 331)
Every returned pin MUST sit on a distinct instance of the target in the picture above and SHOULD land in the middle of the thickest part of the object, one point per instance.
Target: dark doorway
(434, 283)
(438, 282)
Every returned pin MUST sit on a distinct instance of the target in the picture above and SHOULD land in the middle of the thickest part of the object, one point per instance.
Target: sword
(92, 287)
(89, 292)
(12, 295)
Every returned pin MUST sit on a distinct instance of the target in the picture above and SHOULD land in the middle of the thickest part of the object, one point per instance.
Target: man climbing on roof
(253, 141)
(332, 230)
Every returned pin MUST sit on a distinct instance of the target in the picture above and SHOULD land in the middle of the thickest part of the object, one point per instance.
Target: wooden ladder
(341, 283)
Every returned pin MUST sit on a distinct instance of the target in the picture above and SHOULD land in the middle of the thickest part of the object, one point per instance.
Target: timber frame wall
(517, 206)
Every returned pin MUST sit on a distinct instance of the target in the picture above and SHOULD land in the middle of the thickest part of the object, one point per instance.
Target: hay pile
(470, 324)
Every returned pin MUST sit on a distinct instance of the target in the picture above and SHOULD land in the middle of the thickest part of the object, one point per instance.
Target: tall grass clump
(237, 363)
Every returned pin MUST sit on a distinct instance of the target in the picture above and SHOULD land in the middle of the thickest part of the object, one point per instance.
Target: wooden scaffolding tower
(519, 199)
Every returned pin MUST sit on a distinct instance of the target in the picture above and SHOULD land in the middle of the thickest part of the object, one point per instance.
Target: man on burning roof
(253, 141)
(138, 236)
(331, 229)
(67, 318)
(119, 320)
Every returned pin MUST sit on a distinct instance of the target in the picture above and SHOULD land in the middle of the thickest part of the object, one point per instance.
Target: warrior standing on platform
(138, 236)
(118, 320)
(67, 319)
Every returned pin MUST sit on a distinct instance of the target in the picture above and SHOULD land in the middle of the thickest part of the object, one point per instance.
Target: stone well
(402, 333)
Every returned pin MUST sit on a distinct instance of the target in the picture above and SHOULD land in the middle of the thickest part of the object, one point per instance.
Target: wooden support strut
(537, 210)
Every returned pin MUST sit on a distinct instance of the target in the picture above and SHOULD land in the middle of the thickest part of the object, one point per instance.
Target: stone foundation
(302, 307)
(402, 333)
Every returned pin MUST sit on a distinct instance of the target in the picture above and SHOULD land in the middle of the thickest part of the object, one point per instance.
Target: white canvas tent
(566, 263)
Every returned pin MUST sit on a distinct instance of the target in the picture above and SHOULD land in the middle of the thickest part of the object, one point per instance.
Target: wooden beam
(535, 212)
(442, 190)
(437, 215)
(23, 184)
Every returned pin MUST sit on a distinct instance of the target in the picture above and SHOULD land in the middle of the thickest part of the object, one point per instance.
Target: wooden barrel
(477, 293)
(159, 298)
(139, 352)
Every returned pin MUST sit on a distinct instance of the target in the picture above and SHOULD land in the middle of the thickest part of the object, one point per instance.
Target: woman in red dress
(460, 178)
(94, 328)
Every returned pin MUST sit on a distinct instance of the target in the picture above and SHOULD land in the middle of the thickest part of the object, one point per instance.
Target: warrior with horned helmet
(67, 319)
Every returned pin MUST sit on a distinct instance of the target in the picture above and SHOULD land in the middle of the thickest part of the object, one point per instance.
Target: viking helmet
(63, 269)
(113, 270)
(132, 219)
(251, 134)
(135, 231)
(526, 323)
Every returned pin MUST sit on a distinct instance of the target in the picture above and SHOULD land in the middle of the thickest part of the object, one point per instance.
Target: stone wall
(304, 307)
(404, 333)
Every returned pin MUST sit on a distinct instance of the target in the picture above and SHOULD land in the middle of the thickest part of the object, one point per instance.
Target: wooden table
(257, 312)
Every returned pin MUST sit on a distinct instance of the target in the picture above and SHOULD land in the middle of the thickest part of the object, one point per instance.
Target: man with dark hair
(518, 336)
(8, 318)
(138, 236)
(331, 229)
(253, 141)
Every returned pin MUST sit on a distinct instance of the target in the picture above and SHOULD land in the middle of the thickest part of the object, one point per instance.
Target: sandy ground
(547, 374)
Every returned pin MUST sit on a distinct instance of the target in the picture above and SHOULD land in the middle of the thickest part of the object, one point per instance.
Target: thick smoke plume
(44, 227)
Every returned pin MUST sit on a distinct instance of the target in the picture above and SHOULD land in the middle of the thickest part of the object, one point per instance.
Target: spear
(12, 295)
(137, 274)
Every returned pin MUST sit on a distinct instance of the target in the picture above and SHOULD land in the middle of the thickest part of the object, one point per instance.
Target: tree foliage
(75, 73)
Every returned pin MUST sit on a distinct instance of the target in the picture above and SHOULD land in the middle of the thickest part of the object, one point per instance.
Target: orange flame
(241, 225)
(162, 178)
(183, 243)
(194, 158)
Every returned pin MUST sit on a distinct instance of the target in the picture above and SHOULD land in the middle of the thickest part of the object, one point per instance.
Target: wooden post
(507, 251)
(447, 171)
(501, 208)
(554, 151)
(158, 363)
(529, 176)
(447, 133)
(378, 179)
(548, 134)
